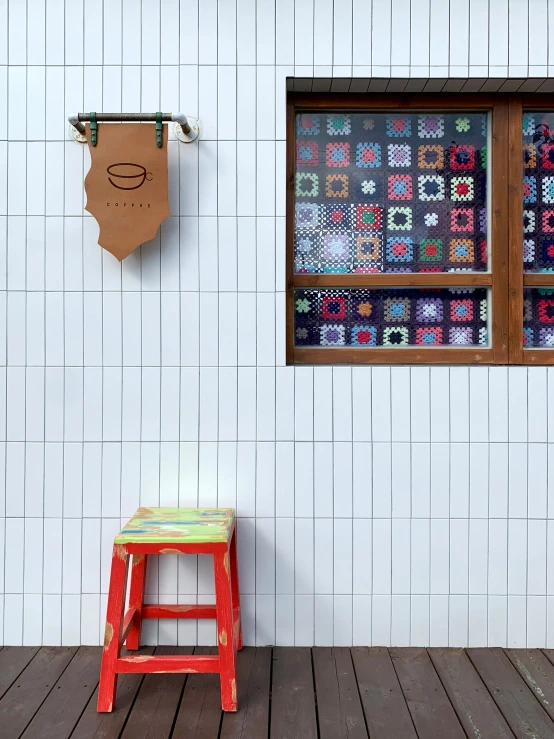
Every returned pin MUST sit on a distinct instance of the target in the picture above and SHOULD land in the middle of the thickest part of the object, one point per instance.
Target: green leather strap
(93, 129)
(159, 130)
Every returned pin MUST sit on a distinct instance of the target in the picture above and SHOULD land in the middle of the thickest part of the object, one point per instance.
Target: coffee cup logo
(128, 176)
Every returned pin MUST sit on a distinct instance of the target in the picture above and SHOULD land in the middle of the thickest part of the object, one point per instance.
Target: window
(404, 235)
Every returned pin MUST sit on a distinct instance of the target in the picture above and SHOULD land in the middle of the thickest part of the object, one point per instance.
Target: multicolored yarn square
(462, 250)
(368, 155)
(399, 219)
(364, 336)
(462, 156)
(430, 187)
(398, 126)
(338, 216)
(546, 337)
(461, 310)
(307, 215)
(339, 125)
(429, 310)
(547, 220)
(528, 124)
(307, 185)
(462, 336)
(367, 185)
(333, 307)
(398, 336)
(368, 248)
(530, 190)
(527, 338)
(430, 126)
(332, 335)
(461, 219)
(429, 335)
(461, 188)
(430, 250)
(307, 153)
(529, 221)
(529, 156)
(399, 155)
(547, 190)
(529, 250)
(338, 154)
(400, 187)
(307, 124)
(547, 251)
(397, 309)
(547, 156)
(399, 249)
(336, 246)
(368, 218)
(336, 185)
(545, 310)
(430, 156)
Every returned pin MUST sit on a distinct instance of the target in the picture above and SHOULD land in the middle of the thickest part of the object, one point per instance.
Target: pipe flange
(188, 138)
(79, 137)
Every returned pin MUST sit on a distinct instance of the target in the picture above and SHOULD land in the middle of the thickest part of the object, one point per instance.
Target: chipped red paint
(120, 626)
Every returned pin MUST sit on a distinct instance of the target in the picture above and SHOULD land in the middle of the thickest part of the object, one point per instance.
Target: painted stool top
(184, 525)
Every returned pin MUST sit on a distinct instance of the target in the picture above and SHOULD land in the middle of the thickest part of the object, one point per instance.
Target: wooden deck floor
(288, 693)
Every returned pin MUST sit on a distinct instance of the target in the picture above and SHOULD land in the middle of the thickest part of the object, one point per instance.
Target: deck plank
(293, 714)
(478, 714)
(60, 712)
(199, 715)
(157, 702)
(13, 660)
(522, 712)
(538, 673)
(27, 693)
(339, 709)
(383, 702)
(253, 685)
(428, 703)
(94, 725)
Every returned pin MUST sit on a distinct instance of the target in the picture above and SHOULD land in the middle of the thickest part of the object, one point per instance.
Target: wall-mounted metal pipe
(185, 129)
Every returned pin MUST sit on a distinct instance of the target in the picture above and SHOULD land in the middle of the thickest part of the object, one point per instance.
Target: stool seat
(176, 525)
(159, 531)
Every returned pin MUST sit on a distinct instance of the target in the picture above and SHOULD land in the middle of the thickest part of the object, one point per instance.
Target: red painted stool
(172, 531)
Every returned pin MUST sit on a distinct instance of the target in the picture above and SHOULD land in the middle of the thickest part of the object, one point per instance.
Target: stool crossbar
(172, 531)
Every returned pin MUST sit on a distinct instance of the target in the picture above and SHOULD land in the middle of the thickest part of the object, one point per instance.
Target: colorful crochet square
(527, 338)
(399, 126)
(529, 250)
(397, 310)
(528, 124)
(430, 250)
(368, 155)
(307, 153)
(399, 219)
(399, 249)
(430, 156)
(461, 219)
(368, 248)
(547, 190)
(336, 247)
(429, 335)
(337, 155)
(394, 316)
(461, 310)
(529, 221)
(364, 336)
(368, 218)
(307, 215)
(546, 337)
(462, 156)
(333, 307)
(529, 156)
(399, 155)
(530, 190)
(430, 187)
(395, 336)
(336, 185)
(419, 175)
(547, 220)
(339, 125)
(338, 216)
(545, 310)
(307, 124)
(547, 156)
(461, 188)
(400, 187)
(461, 250)
(307, 185)
(332, 335)
(430, 126)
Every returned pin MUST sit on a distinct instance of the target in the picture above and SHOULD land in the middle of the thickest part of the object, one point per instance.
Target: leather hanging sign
(126, 185)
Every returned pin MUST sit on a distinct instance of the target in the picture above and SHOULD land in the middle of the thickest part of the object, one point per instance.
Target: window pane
(391, 317)
(538, 192)
(538, 318)
(390, 192)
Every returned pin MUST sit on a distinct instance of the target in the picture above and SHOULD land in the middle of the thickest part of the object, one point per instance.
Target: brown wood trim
(409, 355)
(389, 101)
(538, 279)
(381, 279)
(499, 212)
(515, 238)
(538, 356)
(289, 225)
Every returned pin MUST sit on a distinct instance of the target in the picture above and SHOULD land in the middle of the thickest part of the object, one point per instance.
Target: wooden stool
(172, 531)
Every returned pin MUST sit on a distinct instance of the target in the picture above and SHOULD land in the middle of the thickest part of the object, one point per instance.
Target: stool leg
(114, 623)
(235, 585)
(227, 653)
(136, 597)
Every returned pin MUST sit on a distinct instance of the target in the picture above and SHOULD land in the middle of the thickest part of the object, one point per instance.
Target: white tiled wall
(384, 506)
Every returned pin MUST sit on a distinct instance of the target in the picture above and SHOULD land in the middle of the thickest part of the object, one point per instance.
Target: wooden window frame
(505, 214)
